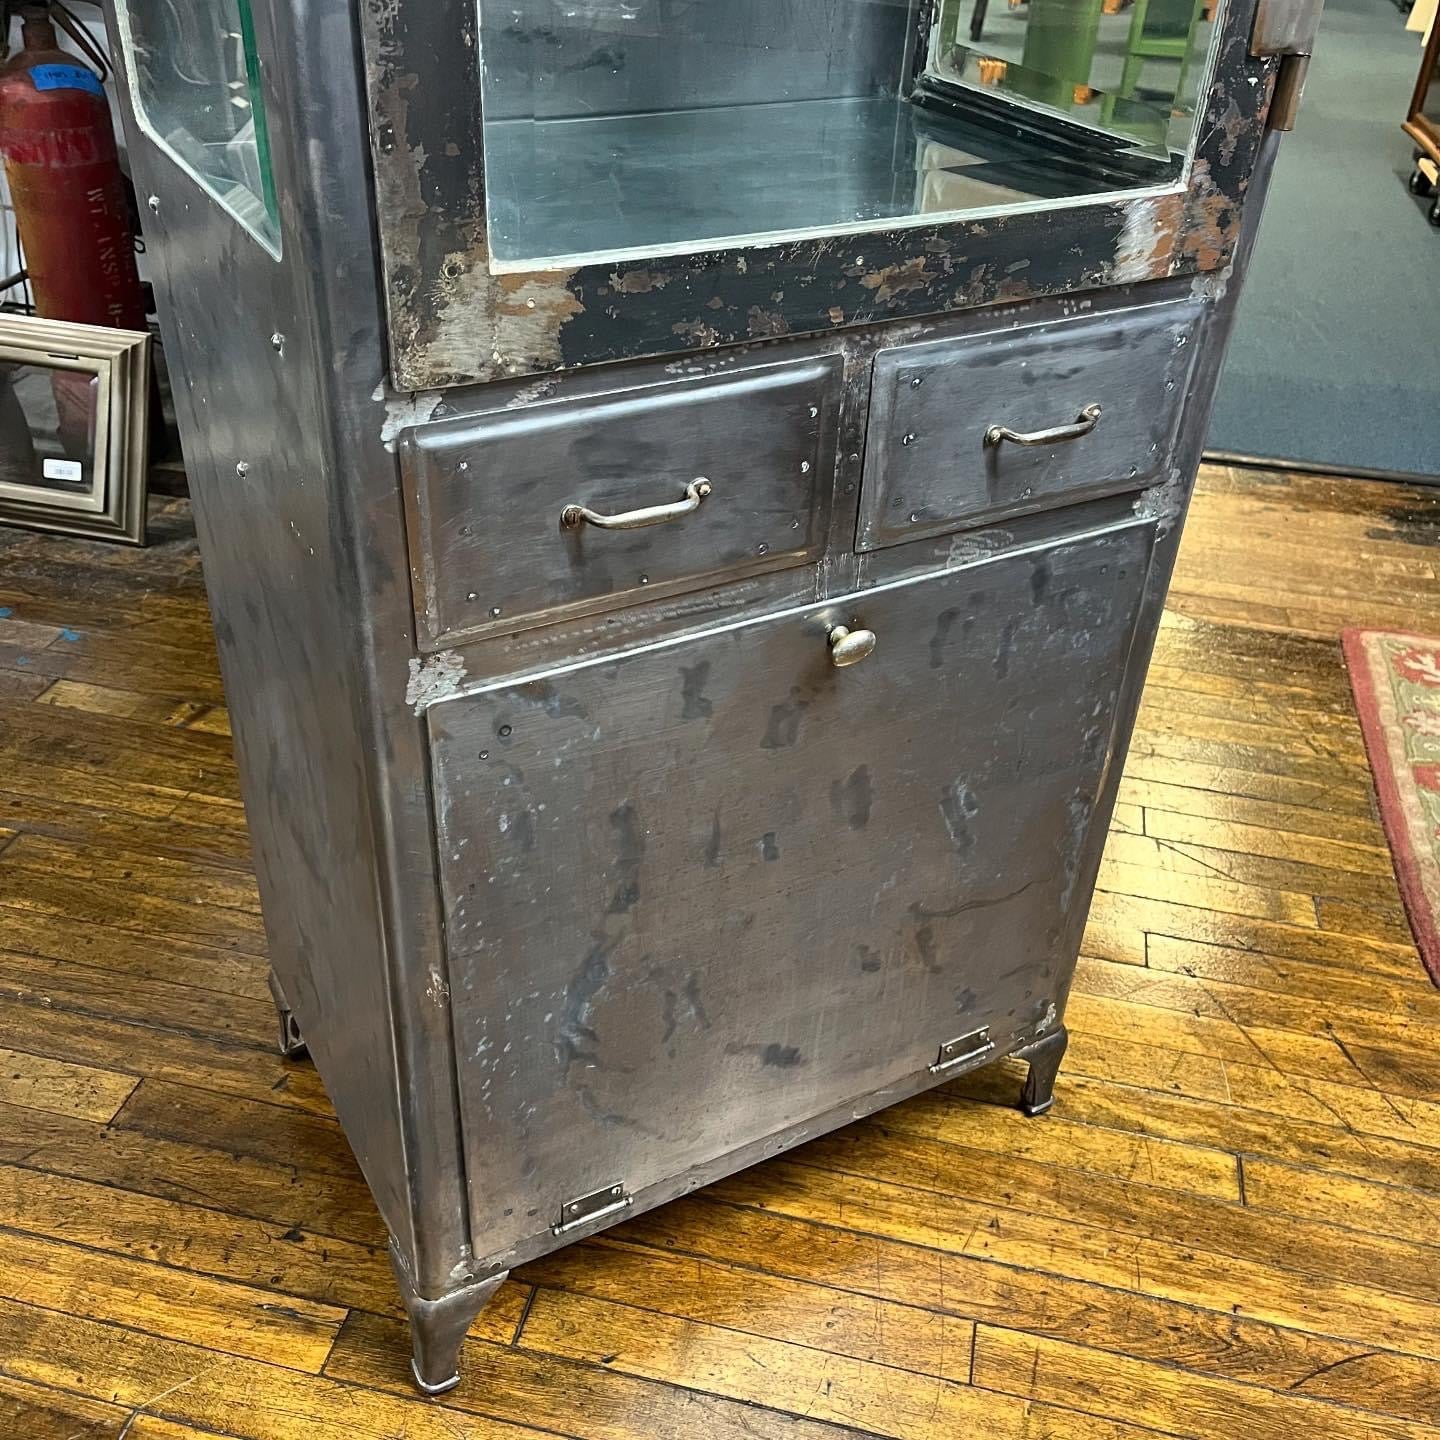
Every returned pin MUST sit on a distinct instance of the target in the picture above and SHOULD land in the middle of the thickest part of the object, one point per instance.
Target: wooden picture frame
(98, 492)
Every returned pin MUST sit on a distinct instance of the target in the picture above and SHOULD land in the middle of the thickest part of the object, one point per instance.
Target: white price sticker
(70, 470)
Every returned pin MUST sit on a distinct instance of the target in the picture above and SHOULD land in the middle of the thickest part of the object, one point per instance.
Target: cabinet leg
(1044, 1058)
(438, 1325)
(292, 1044)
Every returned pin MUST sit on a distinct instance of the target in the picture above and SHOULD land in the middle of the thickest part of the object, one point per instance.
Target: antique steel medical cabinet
(687, 489)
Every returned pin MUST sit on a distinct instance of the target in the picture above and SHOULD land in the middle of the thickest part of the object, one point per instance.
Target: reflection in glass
(48, 423)
(628, 127)
(196, 82)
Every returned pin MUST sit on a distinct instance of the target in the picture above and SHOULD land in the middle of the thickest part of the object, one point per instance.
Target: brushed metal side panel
(927, 466)
(486, 493)
(705, 891)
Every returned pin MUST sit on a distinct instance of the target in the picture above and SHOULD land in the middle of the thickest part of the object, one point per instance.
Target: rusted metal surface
(1285, 27)
(452, 320)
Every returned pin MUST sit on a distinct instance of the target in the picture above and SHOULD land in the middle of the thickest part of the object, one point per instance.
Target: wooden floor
(1229, 1225)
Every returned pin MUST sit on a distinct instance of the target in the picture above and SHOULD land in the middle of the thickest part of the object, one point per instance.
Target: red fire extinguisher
(66, 184)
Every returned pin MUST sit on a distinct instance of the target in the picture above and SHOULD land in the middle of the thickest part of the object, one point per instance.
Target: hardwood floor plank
(1200, 771)
(63, 985)
(562, 1395)
(177, 1305)
(1376, 1209)
(1338, 828)
(711, 1293)
(1170, 1400)
(214, 887)
(820, 1386)
(152, 1051)
(1130, 918)
(1005, 1130)
(132, 705)
(285, 1137)
(60, 939)
(1251, 1007)
(1327, 1146)
(1259, 1087)
(61, 1088)
(287, 1196)
(1305, 1247)
(1214, 1342)
(1354, 984)
(1359, 922)
(217, 840)
(1297, 848)
(39, 894)
(39, 1412)
(1364, 1316)
(321, 1269)
(79, 743)
(233, 1395)
(1145, 882)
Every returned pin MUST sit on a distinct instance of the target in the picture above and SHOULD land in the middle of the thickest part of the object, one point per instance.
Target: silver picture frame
(91, 481)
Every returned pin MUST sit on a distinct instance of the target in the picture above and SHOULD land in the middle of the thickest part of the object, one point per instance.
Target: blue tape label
(66, 77)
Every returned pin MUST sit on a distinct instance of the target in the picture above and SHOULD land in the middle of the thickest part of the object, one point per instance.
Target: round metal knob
(849, 647)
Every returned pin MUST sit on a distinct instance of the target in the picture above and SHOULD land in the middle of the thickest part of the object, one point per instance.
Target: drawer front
(487, 494)
(708, 890)
(931, 463)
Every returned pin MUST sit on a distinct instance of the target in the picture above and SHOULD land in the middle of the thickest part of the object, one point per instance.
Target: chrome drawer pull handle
(1085, 422)
(849, 647)
(573, 516)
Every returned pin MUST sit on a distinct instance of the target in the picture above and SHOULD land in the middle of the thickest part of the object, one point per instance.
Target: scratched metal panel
(299, 520)
(928, 468)
(700, 893)
(486, 494)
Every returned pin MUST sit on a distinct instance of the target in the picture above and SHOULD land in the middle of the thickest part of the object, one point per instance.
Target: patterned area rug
(1396, 679)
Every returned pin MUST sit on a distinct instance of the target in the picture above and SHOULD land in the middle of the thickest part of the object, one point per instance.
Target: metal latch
(962, 1049)
(609, 1201)
(1286, 28)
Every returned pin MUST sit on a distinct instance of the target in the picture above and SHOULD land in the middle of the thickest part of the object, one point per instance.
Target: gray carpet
(1335, 360)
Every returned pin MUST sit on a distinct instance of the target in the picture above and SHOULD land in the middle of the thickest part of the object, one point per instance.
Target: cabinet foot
(1044, 1058)
(438, 1326)
(292, 1044)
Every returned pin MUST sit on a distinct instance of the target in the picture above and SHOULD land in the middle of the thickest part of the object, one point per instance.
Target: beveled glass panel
(631, 127)
(195, 76)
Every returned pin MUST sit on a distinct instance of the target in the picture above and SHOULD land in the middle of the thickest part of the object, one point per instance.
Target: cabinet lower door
(704, 891)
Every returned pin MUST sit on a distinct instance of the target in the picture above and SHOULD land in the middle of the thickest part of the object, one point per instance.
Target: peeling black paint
(451, 321)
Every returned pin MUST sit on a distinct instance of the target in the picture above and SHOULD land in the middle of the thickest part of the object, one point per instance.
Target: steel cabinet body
(680, 689)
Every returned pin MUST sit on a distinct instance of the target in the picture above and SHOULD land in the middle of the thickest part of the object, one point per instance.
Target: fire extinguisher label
(66, 77)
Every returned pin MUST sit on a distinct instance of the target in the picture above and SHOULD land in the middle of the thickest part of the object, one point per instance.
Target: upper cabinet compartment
(582, 181)
(617, 128)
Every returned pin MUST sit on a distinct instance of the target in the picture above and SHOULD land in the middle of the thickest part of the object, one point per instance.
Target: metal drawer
(707, 890)
(933, 461)
(486, 495)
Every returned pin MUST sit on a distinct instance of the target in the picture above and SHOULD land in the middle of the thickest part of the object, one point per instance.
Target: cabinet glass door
(623, 128)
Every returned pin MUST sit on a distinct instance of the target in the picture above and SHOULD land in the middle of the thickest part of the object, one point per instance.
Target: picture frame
(74, 428)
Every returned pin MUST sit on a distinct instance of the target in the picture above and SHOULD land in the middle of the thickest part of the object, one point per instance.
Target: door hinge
(1286, 28)
(609, 1201)
(1289, 87)
(963, 1048)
